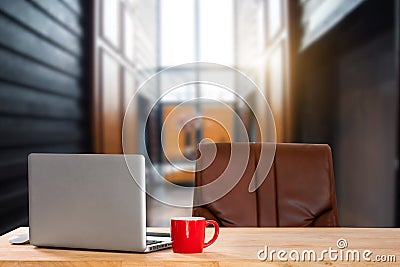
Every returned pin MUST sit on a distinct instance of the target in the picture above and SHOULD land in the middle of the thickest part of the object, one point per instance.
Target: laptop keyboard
(152, 242)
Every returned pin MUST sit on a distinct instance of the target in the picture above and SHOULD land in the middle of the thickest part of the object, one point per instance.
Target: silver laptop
(90, 202)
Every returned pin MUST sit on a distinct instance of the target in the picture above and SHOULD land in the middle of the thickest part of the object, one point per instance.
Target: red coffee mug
(187, 234)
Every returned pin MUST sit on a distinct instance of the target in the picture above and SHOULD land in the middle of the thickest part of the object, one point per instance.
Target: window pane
(129, 34)
(110, 21)
(216, 31)
(216, 92)
(170, 80)
(180, 94)
(177, 32)
(274, 17)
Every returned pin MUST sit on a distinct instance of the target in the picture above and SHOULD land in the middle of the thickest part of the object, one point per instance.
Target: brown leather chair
(299, 189)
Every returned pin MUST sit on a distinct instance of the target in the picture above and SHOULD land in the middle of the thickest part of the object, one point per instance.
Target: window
(177, 32)
(194, 30)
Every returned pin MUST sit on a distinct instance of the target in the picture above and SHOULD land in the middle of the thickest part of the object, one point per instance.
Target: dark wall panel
(349, 97)
(34, 19)
(44, 92)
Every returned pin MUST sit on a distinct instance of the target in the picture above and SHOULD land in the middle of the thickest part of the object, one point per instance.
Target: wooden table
(234, 247)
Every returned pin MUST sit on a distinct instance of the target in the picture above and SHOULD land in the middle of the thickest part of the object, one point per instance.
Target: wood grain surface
(234, 247)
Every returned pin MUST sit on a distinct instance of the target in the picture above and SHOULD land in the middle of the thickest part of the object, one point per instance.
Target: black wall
(44, 91)
(348, 96)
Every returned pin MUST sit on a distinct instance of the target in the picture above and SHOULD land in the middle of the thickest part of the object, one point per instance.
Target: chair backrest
(299, 189)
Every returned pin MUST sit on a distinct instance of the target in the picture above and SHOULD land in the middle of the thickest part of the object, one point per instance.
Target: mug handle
(216, 232)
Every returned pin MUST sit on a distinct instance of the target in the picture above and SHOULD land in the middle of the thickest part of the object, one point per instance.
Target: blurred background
(328, 69)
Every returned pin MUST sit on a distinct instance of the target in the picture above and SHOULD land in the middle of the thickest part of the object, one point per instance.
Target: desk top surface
(235, 246)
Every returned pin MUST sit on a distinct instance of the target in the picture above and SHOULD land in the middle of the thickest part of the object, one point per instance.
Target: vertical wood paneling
(278, 88)
(43, 92)
(131, 122)
(111, 104)
(114, 82)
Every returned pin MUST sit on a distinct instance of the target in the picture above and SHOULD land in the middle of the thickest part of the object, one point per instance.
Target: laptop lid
(87, 201)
